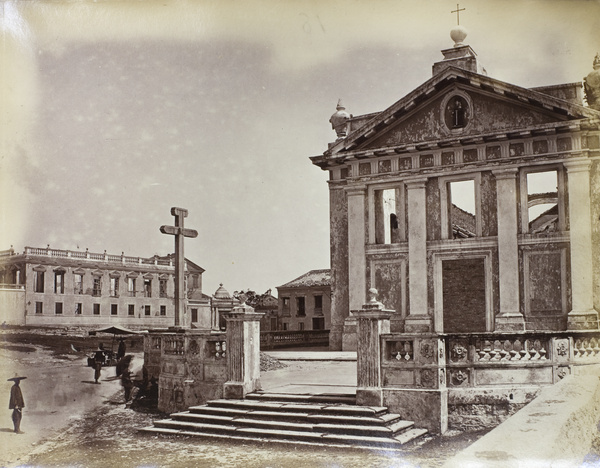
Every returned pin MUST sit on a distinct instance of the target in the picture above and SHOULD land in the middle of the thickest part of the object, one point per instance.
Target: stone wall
(464, 295)
(555, 429)
(191, 367)
(481, 408)
(12, 304)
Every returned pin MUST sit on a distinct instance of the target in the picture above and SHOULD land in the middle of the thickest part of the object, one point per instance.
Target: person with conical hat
(16, 403)
(98, 362)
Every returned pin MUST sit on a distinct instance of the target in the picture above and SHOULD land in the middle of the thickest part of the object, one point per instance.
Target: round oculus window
(456, 113)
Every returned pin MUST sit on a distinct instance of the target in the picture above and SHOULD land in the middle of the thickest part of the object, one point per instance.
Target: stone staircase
(331, 420)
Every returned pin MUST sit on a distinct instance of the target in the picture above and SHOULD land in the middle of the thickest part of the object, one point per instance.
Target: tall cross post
(457, 11)
(179, 232)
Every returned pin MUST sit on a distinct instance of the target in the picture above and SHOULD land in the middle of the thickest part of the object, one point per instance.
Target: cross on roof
(457, 11)
(179, 232)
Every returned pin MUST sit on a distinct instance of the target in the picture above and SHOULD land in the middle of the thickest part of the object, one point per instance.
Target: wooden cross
(457, 11)
(179, 232)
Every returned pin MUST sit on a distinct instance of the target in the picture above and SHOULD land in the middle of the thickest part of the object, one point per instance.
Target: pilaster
(582, 315)
(509, 318)
(356, 246)
(418, 319)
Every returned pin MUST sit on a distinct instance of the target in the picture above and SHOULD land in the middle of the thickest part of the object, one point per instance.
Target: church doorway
(464, 295)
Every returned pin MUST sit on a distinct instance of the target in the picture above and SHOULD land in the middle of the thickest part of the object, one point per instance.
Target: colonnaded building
(470, 204)
(52, 287)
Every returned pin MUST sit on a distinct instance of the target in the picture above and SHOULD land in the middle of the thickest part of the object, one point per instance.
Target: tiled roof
(312, 278)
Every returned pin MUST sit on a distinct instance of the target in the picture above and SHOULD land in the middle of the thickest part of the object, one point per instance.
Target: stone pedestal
(509, 322)
(428, 408)
(349, 336)
(372, 321)
(243, 352)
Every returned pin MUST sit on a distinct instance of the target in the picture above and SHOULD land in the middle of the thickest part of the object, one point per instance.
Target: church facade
(470, 204)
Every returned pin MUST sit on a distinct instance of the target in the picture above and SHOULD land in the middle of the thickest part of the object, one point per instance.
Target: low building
(265, 304)
(50, 287)
(305, 303)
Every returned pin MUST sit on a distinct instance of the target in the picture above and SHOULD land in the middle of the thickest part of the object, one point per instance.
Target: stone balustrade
(424, 375)
(410, 361)
(283, 339)
(95, 257)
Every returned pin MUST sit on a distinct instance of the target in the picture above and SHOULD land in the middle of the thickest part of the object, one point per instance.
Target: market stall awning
(115, 330)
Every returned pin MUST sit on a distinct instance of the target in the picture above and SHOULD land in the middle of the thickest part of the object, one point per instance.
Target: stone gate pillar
(373, 320)
(243, 352)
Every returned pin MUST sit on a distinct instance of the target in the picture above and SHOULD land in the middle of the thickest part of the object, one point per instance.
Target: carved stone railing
(287, 339)
(173, 345)
(472, 360)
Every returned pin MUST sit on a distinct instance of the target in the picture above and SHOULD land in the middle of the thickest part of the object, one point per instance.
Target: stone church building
(470, 204)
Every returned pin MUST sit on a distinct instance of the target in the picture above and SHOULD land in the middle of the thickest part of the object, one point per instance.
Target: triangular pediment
(457, 105)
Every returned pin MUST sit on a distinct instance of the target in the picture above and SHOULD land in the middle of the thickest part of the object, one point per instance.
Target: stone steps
(317, 420)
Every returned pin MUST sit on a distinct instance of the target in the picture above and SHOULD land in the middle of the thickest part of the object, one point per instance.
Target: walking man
(98, 362)
(16, 403)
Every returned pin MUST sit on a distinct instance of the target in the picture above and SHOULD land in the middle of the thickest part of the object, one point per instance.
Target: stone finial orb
(458, 35)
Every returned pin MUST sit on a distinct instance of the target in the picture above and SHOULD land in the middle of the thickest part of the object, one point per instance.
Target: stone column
(373, 320)
(243, 352)
(357, 265)
(510, 318)
(582, 315)
(418, 319)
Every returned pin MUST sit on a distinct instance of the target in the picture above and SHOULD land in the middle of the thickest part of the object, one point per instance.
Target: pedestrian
(16, 403)
(127, 384)
(121, 350)
(98, 361)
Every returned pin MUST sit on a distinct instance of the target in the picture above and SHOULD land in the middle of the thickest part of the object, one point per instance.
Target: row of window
(59, 285)
(114, 309)
(541, 201)
(301, 305)
(318, 323)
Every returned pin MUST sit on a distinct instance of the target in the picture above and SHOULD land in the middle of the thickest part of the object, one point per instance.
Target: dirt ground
(78, 424)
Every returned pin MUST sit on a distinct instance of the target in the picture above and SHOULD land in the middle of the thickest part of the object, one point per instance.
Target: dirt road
(56, 393)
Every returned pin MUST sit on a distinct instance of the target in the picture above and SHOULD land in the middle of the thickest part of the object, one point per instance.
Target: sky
(112, 112)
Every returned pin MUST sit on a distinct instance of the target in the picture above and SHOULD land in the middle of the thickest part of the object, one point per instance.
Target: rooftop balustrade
(92, 256)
